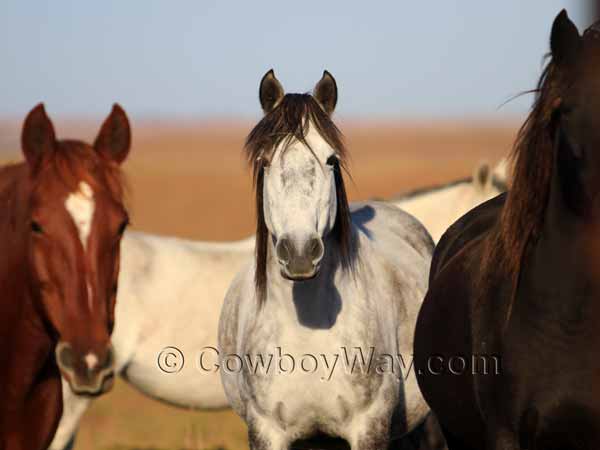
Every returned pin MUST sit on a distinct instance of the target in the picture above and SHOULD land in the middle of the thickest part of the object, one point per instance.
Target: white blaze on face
(80, 205)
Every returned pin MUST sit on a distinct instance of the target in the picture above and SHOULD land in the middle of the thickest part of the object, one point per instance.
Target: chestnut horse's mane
(287, 123)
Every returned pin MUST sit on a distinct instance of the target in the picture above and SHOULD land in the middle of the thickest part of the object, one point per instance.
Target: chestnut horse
(60, 230)
(506, 346)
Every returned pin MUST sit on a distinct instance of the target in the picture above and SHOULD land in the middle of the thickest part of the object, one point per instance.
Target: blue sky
(204, 58)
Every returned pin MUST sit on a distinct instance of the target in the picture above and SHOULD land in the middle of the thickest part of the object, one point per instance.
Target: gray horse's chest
(317, 378)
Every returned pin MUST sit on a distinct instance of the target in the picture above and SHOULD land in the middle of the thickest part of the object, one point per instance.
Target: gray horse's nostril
(299, 258)
(314, 249)
(284, 250)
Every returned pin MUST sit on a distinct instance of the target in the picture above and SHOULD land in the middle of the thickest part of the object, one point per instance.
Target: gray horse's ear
(481, 176)
(565, 41)
(326, 92)
(270, 92)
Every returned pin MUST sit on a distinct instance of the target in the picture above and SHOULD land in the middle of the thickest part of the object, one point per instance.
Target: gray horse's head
(297, 153)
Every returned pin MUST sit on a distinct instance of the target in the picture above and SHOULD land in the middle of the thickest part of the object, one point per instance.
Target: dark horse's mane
(287, 123)
(532, 161)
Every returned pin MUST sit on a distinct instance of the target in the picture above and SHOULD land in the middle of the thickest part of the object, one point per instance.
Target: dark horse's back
(443, 355)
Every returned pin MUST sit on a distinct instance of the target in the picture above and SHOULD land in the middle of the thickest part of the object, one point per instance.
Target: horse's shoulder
(228, 335)
(443, 331)
(471, 226)
(243, 279)
(240, 296)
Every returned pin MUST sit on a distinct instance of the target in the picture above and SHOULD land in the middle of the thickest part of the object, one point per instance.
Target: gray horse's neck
(313, 303)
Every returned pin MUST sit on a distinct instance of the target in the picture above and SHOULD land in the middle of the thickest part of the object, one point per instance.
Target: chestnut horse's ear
(326, 92)
(37, 138)
(114, 138)
(270, 92)
(565, 41)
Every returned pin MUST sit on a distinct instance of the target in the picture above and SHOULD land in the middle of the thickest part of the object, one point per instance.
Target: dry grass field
(191, 180)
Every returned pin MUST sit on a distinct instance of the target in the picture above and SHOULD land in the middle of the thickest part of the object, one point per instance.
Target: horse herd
(491, 291)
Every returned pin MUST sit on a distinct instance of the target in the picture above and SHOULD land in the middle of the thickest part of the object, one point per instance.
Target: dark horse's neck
(573, 203)
(563, 262)
(572, 213)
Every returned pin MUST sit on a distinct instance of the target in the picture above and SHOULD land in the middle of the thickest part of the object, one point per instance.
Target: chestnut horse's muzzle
(89, 373)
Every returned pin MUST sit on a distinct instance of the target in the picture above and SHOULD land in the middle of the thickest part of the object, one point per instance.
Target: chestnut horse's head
(77, 219)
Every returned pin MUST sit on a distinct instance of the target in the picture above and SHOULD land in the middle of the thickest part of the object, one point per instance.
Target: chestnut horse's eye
(36, 227)
(123, 227)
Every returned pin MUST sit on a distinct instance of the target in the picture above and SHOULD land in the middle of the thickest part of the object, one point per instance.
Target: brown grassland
(191, 180)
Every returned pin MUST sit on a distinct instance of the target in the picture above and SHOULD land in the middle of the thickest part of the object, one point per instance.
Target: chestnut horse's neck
(15, 190)
(17, 301)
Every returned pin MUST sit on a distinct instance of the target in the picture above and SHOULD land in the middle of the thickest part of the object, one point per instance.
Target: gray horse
(316, 334)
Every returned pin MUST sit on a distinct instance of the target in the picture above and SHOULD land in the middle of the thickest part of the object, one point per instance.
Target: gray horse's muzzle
(299, 260)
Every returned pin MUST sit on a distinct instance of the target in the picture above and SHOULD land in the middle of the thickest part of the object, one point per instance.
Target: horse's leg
(74, 406)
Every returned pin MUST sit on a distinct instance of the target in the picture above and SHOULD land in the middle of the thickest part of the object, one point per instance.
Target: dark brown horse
(507, 339)
(61, 221)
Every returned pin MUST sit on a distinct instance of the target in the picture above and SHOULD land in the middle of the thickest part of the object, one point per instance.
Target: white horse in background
(154, 309)
(326, 281)
(438, 207)
(170, 294)
(145, 301)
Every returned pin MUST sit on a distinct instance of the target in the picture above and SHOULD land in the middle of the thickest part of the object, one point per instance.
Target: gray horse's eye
(332, 160)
